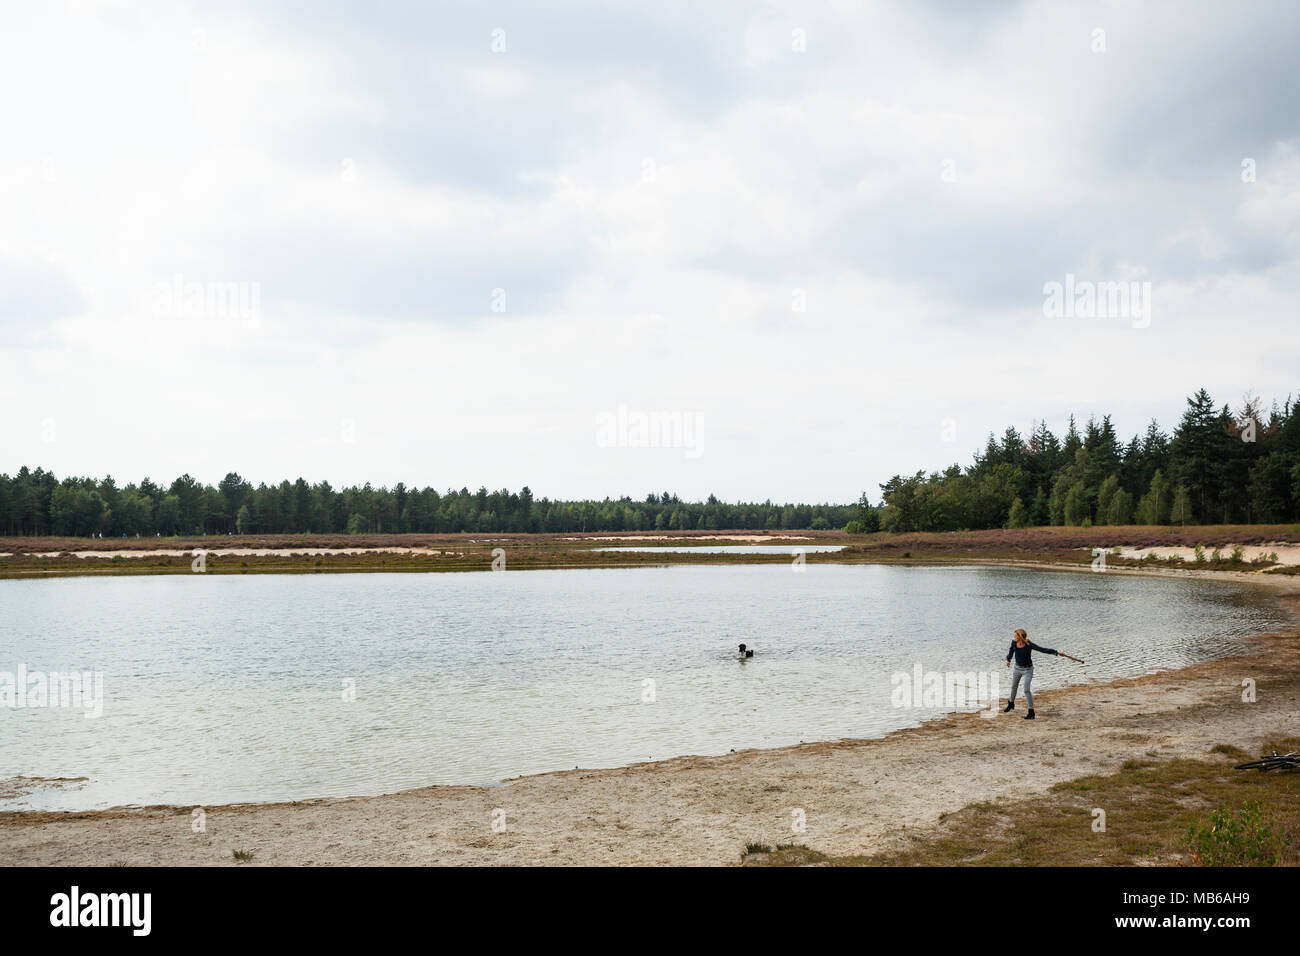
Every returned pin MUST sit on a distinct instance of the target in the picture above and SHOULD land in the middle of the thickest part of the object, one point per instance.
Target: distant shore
(858, 797)
(1160, 548)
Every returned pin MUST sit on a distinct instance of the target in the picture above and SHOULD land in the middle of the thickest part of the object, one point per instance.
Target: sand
(1288, 553)
(856, 796)
(218, 551)
(228, 552)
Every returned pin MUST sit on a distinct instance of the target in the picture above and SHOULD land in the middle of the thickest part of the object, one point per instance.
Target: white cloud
(652, 191)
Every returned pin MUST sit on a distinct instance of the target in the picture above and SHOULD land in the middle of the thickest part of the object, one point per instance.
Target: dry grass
(467, 552)
(420, 540)
(461, 554)
(1148, 807)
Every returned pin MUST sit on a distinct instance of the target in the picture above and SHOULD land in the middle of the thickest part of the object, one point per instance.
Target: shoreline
(1260, 550)
(1268, 576)
(859, 795)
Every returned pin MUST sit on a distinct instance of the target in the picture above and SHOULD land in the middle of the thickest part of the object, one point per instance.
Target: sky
(761, 251)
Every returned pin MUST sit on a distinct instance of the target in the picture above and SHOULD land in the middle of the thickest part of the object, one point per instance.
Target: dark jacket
(1022, 653)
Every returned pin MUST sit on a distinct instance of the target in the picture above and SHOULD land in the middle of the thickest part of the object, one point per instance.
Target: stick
(1077, 660)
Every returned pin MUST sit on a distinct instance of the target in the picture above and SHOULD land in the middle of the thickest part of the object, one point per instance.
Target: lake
(225, 688)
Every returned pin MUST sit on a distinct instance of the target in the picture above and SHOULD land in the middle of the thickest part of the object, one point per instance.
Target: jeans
(1017, 672)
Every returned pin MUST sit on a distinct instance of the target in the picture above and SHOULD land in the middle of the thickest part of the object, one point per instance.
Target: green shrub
(1239, 838)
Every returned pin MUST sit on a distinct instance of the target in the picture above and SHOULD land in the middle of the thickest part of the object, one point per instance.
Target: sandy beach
(857, 796)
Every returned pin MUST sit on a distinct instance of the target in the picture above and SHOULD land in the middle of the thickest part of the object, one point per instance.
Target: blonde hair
(1022, 634)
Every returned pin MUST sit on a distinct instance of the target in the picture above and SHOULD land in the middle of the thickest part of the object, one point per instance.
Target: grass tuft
(1155, 812)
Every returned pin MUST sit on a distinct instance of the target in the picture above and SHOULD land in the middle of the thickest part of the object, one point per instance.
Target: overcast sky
(815, 235)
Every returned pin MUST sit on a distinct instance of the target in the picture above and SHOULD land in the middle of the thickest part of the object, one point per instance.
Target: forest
(1217, 467)
(35, 502)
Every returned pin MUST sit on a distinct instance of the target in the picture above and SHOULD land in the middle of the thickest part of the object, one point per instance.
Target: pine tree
(1039, 513)
(1194, 449)
(1013, 450)
(1155, 454)
(1070, 447)
(1130, 469)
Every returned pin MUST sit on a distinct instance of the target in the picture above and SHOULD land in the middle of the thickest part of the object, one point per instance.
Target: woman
(1022, 647)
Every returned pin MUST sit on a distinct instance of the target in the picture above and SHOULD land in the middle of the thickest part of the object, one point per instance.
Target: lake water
(233, 688)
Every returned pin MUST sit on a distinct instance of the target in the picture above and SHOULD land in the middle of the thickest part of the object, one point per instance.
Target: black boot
(1011, 705)
(1030, 715)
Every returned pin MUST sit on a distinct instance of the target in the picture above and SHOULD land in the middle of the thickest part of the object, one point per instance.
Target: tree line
(36, 502)
(1218, 467)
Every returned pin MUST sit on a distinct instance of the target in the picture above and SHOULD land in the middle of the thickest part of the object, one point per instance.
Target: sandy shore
(856, 796)
(1283, 552)
(226, 552)
(308, 551)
